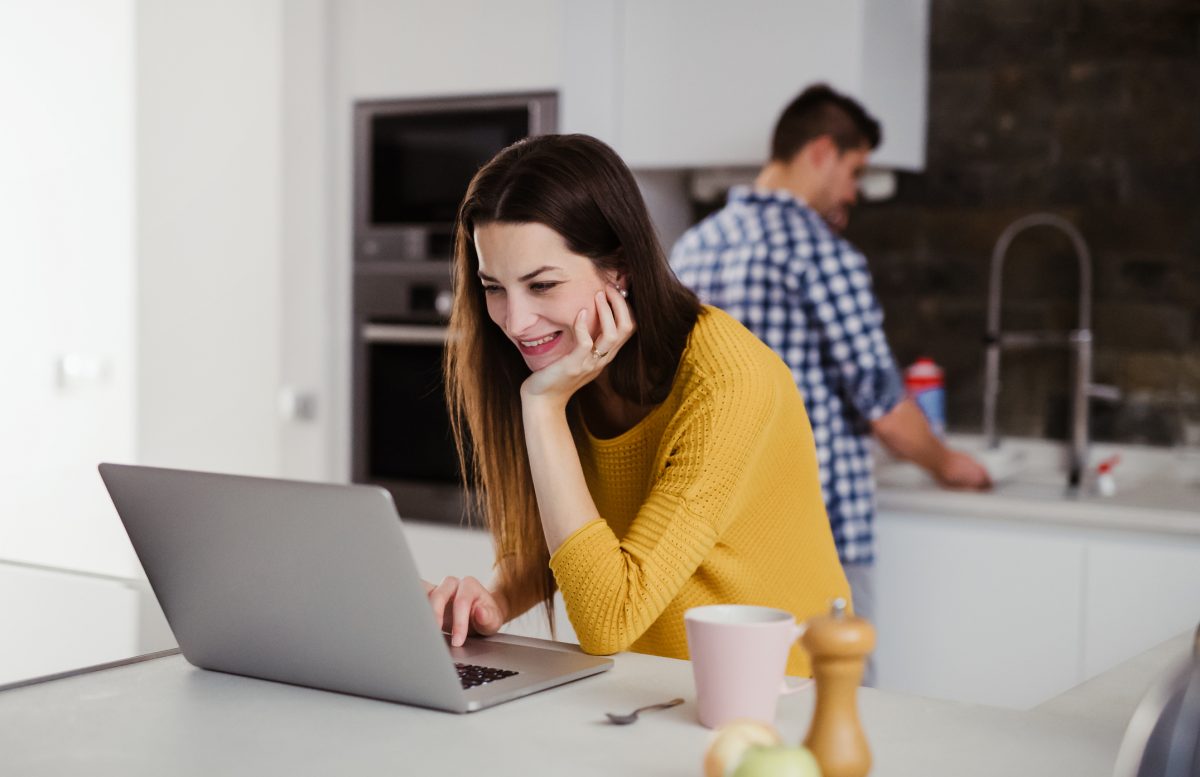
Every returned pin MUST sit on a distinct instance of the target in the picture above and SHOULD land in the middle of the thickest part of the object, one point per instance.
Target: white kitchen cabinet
(1012, 612)
(1141, 590)
(977, 611)
(67, 207)
(680, 83)
(407, 48)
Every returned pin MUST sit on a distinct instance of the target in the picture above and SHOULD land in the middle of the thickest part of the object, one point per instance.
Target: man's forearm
(907, 434)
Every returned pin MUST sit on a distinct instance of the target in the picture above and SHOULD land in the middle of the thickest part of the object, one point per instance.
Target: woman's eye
(542, 287)
(492, 289)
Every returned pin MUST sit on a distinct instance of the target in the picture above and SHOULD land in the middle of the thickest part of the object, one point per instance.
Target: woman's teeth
(536, 343)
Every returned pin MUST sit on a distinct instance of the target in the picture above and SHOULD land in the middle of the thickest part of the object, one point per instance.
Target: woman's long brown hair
(581, 189)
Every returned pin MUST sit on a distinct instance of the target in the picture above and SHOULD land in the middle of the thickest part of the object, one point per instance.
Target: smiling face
(535, 287)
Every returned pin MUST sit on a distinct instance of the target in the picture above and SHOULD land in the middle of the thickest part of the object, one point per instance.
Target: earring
(624, 292)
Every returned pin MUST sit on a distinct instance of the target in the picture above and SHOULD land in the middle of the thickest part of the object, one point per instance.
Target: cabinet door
(680, 83)
(1141, 590)
(66, 295)
(977, 611)
(411, 48)
(705, 82)
(58, 621)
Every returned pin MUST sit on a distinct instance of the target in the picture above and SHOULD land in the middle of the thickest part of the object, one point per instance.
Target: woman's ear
(619, 279)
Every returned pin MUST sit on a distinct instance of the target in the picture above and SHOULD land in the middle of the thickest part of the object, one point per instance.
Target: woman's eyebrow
(523, 278)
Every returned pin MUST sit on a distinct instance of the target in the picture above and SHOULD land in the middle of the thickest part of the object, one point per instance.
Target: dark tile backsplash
(1087, 109)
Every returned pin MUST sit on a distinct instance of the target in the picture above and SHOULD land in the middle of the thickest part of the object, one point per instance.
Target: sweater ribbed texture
(713, 498)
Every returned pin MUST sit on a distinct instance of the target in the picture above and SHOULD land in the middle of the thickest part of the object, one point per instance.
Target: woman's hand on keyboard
(465, 606)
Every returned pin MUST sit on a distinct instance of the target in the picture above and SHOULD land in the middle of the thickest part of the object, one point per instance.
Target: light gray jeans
(862, 588)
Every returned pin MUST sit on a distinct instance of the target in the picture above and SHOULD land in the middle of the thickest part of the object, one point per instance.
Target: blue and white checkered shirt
(774, 264)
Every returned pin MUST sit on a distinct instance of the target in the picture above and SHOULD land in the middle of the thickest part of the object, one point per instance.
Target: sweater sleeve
(614, 589)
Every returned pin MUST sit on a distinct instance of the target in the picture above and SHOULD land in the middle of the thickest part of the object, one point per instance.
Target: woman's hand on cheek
(557, 382)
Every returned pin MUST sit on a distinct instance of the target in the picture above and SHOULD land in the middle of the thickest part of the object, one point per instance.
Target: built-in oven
(401, 435)
(413, 159)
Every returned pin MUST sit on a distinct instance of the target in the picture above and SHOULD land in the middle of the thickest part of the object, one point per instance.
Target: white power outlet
(297, 404)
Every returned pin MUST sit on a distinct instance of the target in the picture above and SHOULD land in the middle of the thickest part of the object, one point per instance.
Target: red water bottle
(925, 383)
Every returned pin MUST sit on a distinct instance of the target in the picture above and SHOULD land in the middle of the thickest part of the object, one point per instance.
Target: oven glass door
(408, 434)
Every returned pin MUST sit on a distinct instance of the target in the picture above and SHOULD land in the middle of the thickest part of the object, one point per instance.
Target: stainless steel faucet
(1078, 340)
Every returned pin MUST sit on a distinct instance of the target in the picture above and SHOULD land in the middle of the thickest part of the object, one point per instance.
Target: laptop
(312, 584)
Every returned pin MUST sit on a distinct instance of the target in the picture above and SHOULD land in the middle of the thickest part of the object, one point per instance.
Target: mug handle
(799, 685)
(786, 688)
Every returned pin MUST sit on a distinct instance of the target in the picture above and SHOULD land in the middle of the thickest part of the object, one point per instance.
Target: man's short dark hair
(819, 110)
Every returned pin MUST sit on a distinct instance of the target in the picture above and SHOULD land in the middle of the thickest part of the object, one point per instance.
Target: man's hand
(907, 434)
(959, 470)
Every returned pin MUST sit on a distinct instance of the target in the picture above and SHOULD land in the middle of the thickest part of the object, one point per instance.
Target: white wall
(66, 258)
(210, 233)
(146, 225)
(310, 279)
(150, 229)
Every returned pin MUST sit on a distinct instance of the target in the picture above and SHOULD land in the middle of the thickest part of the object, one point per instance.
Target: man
(773, 258)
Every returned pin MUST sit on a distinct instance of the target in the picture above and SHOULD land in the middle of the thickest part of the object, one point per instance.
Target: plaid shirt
(774, 264)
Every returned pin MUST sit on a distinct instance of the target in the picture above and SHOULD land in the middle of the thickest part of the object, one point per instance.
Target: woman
(627, 446)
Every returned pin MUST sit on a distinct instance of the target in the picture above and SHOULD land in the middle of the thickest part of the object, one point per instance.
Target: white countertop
(1158, 490)
(163, 716)
(1107, 700)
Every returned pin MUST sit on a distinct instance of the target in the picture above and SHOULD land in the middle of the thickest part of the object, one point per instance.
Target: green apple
(731, 741)
(780, 761)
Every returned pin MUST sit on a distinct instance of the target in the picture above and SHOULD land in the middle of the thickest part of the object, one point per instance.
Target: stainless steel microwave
(413, 159)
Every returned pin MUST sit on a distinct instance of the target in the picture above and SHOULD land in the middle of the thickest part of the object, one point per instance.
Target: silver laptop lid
(305, 583)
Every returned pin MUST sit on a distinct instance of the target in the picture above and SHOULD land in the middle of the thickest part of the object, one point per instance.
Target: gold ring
(597, 355)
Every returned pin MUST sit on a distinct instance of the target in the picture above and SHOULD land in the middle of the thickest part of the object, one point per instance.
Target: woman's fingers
(439, 596)
(614, 331)
(485, 612)
(460, 624)
(461, 606)
(621, 313)
(608, 326)
(583, 338)
(616, 321)
(486, 618)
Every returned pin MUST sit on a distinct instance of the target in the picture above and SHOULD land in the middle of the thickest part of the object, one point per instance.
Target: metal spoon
(624, 720)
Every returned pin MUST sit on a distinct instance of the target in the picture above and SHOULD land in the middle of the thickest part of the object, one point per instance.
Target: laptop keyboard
(471, 675)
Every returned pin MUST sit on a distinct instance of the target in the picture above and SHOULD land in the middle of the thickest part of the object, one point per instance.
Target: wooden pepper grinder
(838, 644)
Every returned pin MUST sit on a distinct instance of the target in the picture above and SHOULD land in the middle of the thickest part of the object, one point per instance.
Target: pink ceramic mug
(739, 656)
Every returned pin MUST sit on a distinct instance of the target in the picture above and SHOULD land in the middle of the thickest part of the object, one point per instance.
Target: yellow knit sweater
(713, 498)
